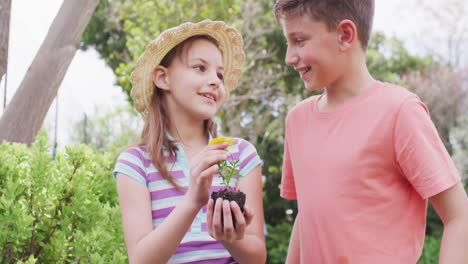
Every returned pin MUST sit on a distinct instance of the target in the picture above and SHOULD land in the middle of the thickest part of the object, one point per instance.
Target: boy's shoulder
(393, 94)
(390, 98)
(303, 106)
(385, 96)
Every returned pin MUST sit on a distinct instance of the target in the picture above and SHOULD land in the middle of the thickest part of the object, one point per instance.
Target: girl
(164, 183)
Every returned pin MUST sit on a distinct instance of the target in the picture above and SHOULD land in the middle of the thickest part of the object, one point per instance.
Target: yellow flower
(218, 140)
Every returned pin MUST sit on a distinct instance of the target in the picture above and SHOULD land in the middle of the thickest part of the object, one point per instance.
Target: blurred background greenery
(65, 209)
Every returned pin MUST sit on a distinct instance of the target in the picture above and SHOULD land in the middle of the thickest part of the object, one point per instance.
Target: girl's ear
(347, 34)
(160, 78)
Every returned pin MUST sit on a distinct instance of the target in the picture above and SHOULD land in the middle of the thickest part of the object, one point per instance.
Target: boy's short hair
(331, 12)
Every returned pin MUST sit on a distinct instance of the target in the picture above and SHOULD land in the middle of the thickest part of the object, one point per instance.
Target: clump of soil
(230, 195)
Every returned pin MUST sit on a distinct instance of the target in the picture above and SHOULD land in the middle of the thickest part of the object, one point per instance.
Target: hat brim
(230, 43)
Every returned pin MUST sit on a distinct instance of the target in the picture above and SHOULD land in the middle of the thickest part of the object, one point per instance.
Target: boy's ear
(347, 34)
(160, 78)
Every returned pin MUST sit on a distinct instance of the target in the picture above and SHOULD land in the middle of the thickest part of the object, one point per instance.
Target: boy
(363, 158)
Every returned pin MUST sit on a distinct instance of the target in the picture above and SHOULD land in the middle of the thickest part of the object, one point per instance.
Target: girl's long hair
(157, 122)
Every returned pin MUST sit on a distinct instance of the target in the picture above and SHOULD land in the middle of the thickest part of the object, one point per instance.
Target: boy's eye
(221, 76)
(298, 40)
(295, 41)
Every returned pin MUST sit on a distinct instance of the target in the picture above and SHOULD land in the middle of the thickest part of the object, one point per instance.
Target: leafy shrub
(58, 211)
(430, 254)
(277, 242)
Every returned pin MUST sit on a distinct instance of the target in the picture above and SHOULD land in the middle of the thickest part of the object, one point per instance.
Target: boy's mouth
(303, 70)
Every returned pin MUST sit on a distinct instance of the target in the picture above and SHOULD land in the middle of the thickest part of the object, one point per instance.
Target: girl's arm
(145, 245)
(148, 245)
(251, 247)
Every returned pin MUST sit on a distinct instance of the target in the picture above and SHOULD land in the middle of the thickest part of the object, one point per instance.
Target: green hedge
(277, 242)
(430, 254)
(58, 211)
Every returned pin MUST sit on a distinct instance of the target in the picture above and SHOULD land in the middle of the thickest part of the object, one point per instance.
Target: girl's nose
(214, 80)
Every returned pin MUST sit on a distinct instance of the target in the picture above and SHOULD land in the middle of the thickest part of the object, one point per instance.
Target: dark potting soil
(225, 194)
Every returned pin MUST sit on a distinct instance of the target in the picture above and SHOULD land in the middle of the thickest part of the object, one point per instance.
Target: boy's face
(313, 51)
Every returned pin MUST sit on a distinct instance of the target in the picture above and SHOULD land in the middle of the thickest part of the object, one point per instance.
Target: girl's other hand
(204, 166)
(226, 231)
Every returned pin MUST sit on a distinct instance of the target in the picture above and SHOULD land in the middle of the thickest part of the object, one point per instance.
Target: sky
(89, 83)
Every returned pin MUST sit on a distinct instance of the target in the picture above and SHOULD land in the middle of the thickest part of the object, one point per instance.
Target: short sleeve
(288, 186)
(131, 162)
(248, 158)
(419, 151)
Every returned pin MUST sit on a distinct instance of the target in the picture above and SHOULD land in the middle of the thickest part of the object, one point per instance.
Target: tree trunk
(5, 9)
(25, 113)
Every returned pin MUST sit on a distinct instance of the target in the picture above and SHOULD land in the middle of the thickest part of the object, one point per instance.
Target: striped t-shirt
(197, 246)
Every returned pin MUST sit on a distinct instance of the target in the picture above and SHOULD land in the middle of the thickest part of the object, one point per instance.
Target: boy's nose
(291, 59)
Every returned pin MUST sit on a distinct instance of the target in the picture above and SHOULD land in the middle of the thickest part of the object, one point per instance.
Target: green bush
(277, 242)
(430, 254)
(58, 211)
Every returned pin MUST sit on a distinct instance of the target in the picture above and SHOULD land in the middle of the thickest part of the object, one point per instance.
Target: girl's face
(194, 80)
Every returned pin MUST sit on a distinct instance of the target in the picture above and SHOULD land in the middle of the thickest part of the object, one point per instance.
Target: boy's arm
(293, 256)
(288, 191)
(452, 207)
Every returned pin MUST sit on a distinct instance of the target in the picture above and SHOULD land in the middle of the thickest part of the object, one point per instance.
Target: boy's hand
(226, 231)
(204, 166)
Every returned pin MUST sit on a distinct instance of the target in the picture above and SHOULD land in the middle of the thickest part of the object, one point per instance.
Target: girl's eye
(221, 76)
(200, 68)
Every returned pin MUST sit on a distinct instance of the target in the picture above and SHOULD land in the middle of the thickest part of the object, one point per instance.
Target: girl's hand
(226, 231)
(204, 166)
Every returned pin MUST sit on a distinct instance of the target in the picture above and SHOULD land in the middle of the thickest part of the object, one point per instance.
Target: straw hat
(230, 43)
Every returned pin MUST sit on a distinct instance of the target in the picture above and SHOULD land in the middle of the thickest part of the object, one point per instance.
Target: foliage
(227, 170)
(434, 226)
(460, 150)
(277, 242)
(56, 211)
(430, 254)
(109, 130)
(444, 90)
(388, 60)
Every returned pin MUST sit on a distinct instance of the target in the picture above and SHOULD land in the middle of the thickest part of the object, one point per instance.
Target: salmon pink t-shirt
(362, 175)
